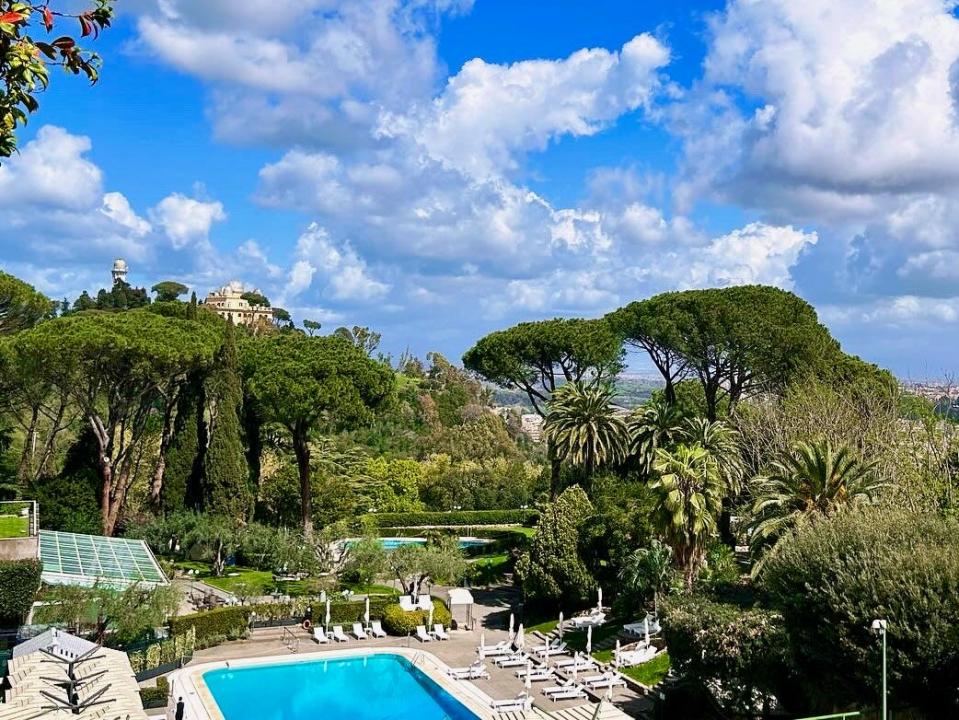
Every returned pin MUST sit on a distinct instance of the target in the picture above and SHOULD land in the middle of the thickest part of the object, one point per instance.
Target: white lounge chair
(556, 648)
(570, 694)
(578, 661)
(439, 632)
(607, 680)
(521, 703)
(474, 672)
(338, 634)
(559, 687)
(376, 629)
(421, 634)
(500, 648)
(319, 634)
(511, 660)
(628, 658)
(594, 619)
(358, 632)
(407, 604)
(537, 674)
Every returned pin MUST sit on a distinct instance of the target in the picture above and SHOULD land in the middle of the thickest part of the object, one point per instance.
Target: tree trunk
(669, 392)
(555, 471)
(25, 470)
(156, 485)
(301, 447)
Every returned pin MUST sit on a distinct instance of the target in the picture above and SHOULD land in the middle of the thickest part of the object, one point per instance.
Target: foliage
(648, 572)
(736, 341)
(69, 501)
(255, 298)
(393, 485)
(303, 383)
(211, 625)
(689, 489)
(367, 560)
(396, 621)
(156, 696)
(552, 569)
(742, 654)
(19, 582)
(118, 368)
(169, 290)
(455, 518)
(25, 61)
(119, 616)
(836, 576)
(649, 673)
(814, 480)
(227, 487)
(21, 306)
(183, 457)
(583, 428)
(362, 337)
(437, 561)
(490, 483)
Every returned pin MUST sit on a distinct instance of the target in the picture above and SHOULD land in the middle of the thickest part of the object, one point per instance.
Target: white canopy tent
(462, 599)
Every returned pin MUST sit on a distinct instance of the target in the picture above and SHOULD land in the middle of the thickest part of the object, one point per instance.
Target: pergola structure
(463, 599)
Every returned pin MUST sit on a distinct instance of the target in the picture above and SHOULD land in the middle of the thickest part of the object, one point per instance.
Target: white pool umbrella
(599, 599)
(529, 673)
(589, 640)
(560, 626)
(575, 664)
(327, 614)
(366, 614)
(646, 629)
(616, 656)
(520, 638)
(546, 653)
(482, 646)
(511, 626)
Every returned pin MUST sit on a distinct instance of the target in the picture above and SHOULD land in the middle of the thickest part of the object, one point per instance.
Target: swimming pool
(369, 687)
(391, 543)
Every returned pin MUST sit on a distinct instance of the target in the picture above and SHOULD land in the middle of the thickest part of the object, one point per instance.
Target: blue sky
(437, 169)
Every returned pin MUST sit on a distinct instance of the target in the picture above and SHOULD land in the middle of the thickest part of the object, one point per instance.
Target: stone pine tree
(227, 486)
(184, 460)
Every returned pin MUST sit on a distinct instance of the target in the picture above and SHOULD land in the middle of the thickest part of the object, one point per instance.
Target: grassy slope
(14, 526)
(247, 581)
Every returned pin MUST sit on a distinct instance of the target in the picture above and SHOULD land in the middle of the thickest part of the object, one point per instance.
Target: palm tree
(689, 490)
(648, 569)
(722, 442)
(656, 424)
(583, 428)
(813, 480)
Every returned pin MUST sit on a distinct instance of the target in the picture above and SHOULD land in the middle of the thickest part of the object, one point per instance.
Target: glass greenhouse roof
(71, 559)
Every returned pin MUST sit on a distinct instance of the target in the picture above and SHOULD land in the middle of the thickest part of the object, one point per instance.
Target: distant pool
(373, 687)
(394, 542)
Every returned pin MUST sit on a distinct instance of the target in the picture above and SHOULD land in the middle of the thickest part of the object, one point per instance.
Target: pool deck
(458, 651)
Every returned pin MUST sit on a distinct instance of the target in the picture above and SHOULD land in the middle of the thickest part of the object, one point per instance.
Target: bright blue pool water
(393, 543)
(375, 687)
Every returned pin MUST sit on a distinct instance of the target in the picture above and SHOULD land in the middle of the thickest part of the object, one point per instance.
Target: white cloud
(186, 220)
(345, 273)
(489, 115)
(117, 208)
(251, 250)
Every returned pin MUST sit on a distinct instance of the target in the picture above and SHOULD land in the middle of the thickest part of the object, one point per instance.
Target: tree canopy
(21, 306)
(169, 290)
(25, 60)
(304, 383)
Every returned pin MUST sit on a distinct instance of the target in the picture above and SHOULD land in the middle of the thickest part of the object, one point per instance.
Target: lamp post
(879, 627)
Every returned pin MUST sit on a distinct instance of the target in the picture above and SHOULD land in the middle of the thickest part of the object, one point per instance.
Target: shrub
(154, 697)
(835, 577)
(396, 621)
(19, 582)
(742, 651)
(224, 622)
(457, 517)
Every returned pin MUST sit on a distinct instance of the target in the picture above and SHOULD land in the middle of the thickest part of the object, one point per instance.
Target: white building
(228, 303)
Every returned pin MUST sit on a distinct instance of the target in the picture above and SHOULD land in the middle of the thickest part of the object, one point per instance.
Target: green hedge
(154, 697)
(224, 622)
(396, 621)
(456, 517)
(19, 582)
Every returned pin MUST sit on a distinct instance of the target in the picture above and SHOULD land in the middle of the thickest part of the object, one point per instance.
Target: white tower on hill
(120, 270)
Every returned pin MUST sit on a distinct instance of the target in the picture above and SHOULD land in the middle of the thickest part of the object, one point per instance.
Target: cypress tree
(184, 459)
(227, 486)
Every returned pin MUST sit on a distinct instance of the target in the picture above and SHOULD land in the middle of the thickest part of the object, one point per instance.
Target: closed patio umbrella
(366, 614)
(327, 614)
(616, 656)
(520, 638)
(546, 654)
(560, 626)
(599, 599)
(529, 672)
(589, 640)
(646, 629)
(575, 664)
(482, 646)
(511, 626)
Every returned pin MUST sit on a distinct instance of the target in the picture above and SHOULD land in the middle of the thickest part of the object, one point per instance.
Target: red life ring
(307, 624)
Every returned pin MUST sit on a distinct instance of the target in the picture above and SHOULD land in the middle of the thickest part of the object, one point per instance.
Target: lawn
(14, 526)
(649, 673)
(247, 581)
